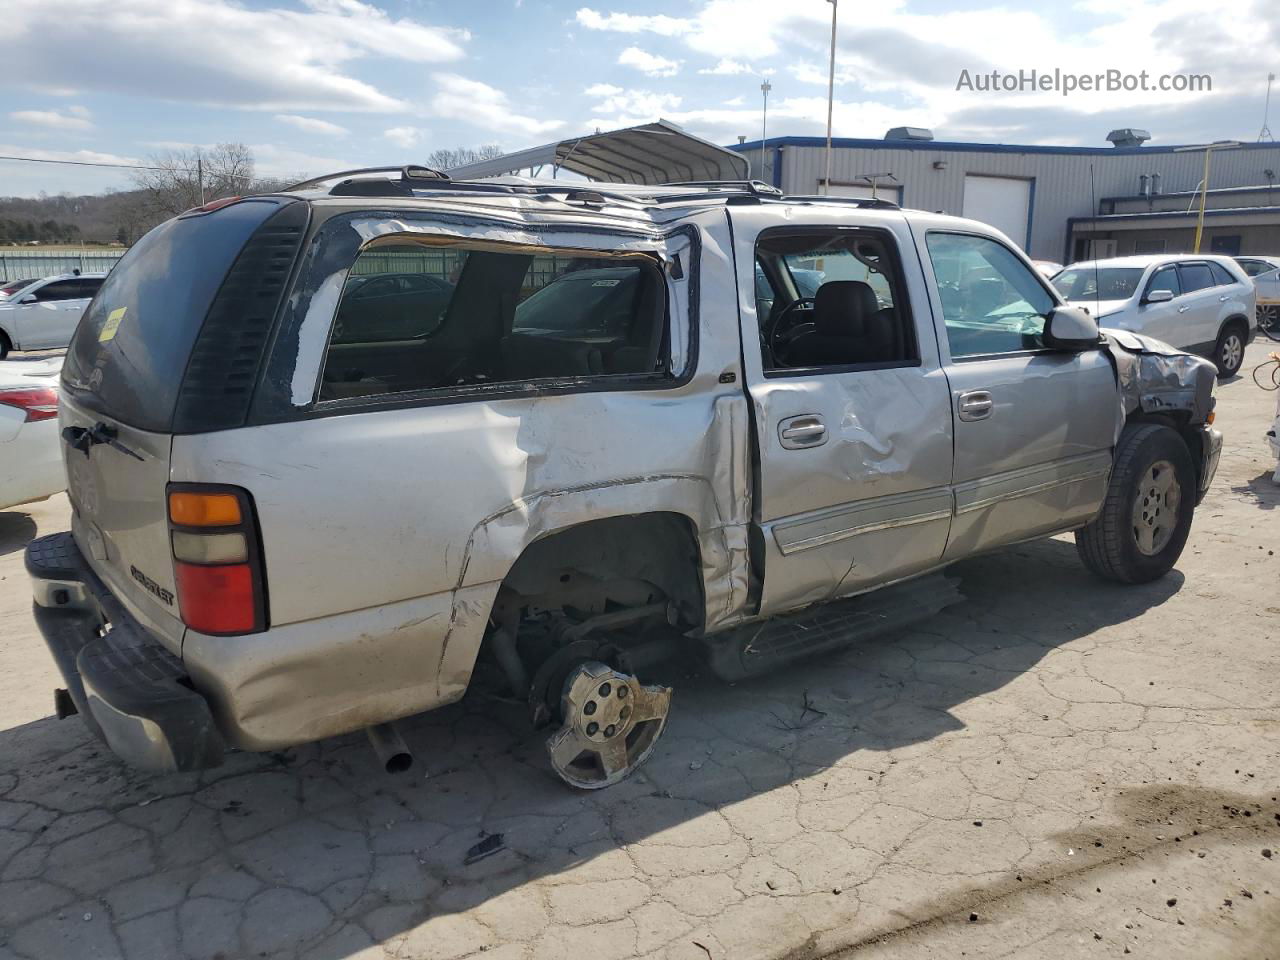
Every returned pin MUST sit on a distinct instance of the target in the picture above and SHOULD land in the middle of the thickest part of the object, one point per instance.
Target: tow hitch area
(611, 724)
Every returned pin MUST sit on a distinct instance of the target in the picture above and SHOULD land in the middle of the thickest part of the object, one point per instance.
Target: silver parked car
(1199, 303)
(42, 314)
(704, 419)
(1265, 273)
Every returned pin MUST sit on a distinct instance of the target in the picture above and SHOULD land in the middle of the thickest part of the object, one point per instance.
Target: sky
(319, 85)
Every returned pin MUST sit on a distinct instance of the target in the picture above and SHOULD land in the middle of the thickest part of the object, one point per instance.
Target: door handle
(1184, 308)
(807, 430)
(1223, 299)
(975, 405)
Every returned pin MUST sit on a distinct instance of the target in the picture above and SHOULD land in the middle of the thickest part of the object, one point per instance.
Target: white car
(1047, 268)
(43, 315)
(30, 454)
(1265, 272)
(1196, 302)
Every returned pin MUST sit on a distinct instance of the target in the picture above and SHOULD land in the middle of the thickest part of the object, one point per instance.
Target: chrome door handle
(1183, 309)
(1223, 299)
(807, 430)
(975, 405)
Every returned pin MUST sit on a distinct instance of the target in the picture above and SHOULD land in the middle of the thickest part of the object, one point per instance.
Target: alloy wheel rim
(1232, 351)
(1155, 508)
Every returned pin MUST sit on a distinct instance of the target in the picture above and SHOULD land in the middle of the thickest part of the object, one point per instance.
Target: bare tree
(445, 159)
(183, 179)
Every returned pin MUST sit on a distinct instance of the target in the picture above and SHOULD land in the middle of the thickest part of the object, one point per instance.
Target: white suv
(42, 314)
(1199, 303)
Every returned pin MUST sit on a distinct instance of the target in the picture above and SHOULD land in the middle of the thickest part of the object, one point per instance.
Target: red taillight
(217, 562)
(39, 403)
(212, 205)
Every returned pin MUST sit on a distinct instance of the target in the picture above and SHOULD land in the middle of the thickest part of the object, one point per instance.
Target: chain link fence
(18, 263)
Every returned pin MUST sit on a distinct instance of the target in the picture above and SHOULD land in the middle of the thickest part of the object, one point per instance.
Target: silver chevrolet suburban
(339, 453)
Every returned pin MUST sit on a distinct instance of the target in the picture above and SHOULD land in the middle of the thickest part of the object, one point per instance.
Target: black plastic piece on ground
(63, 705)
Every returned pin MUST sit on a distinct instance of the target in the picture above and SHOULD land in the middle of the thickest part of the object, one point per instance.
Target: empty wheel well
(1236, 321)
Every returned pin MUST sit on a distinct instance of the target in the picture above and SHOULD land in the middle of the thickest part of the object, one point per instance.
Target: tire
(1126, 542)
(1269, 320)
(5, 345)
(1228, 354)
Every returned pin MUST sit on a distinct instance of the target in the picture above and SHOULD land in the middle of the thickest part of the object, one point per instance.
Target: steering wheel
(787, 327)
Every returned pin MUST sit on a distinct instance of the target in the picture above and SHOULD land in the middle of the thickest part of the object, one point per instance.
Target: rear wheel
(1269, 320)
(1142, 527)
(1229, 353)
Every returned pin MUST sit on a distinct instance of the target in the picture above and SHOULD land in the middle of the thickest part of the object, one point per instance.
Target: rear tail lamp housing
(38, 403)
(217, 559)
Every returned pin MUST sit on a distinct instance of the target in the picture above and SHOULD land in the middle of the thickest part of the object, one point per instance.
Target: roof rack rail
(870, 203)
(757, 188)
(408, 173)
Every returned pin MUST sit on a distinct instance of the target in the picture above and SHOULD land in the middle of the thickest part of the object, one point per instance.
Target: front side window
(1166, 278)
(59, 290)
(992, 302)
(418, 316)
(831, 298)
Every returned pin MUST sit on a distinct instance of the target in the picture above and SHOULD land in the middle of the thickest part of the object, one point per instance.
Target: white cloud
(83, 156)
(313, 125)
(76, 118)
(459, 98)
(602, 90)
(627, 108)
(727, 68)
(647, 63)
(404, 136)
(275, 58)
(277, 162)
(631, 23)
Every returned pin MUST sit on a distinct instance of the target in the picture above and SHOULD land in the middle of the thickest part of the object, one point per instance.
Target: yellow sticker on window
(112, 325)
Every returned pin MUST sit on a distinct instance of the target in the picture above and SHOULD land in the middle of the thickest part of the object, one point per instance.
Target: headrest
(841, 308)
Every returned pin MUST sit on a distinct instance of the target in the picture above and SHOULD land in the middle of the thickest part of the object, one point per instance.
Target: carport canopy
(651, 153)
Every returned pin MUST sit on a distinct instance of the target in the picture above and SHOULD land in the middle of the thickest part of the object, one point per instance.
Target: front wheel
(1142, 527)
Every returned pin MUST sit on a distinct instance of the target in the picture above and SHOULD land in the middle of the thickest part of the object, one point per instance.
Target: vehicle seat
(529, 357)
(848, 327)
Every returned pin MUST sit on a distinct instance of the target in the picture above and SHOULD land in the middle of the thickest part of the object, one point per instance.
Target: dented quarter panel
(387, 534)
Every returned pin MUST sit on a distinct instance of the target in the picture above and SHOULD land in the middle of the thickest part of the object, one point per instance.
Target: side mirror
(1158, 296)
(29, 298)
(1071, 328)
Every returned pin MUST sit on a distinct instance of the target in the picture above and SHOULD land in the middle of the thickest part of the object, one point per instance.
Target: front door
(1034, 427)
(52, 319)
(850, 403)
(1162, 319)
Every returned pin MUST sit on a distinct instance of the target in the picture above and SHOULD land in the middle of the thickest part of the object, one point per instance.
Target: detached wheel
(1142, 527)
(1228, 355)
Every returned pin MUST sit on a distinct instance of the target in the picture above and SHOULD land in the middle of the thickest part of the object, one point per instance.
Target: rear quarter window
(130, 352)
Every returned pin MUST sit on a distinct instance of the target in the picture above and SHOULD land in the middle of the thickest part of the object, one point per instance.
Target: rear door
(1033, 427)
(1199, 308)
(852, 429)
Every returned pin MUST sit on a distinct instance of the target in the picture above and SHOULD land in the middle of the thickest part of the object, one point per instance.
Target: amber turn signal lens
(1210, 418)
(204, 509)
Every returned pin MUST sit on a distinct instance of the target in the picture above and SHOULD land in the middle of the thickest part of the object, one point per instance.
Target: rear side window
(1195, 276)
(429, 316)
(132, 347)
(1221, 275)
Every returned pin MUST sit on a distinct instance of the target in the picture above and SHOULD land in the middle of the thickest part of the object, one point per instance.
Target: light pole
(1208, 149)
(765, 87)
(831, 92)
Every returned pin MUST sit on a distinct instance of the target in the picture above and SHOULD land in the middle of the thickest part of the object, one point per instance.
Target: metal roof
(651, 153)
(952, 146)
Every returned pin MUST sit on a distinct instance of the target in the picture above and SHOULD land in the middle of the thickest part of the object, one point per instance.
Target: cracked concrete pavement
(1056, 767)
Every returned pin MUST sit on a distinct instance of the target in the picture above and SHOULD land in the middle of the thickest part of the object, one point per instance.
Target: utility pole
(1265, 133)
(831, 93)
(765, 87)
(200, 173)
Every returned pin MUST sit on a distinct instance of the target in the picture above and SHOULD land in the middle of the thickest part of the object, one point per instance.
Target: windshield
(1107, 283)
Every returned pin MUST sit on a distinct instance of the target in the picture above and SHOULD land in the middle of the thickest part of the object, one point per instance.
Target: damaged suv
(558, 432)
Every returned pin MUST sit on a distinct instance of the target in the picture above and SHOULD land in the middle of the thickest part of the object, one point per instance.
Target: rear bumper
(1210, 454)
(133, 693)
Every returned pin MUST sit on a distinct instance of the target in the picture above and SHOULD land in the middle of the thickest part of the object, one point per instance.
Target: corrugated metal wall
(1061, 181)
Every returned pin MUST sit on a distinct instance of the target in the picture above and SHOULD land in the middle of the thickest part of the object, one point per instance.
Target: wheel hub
(611, 724)
(1155, 508)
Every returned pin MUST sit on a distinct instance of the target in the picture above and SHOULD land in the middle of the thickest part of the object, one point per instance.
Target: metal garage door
(1003, 202)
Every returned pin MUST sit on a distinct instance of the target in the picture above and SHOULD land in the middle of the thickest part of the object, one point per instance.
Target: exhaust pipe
(390, 747)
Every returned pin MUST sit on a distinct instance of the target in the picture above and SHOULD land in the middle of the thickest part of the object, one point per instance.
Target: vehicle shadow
(315, 851)
(16, 530)
(1264, 490)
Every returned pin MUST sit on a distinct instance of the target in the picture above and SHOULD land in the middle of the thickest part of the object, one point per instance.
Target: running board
(763, 647)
